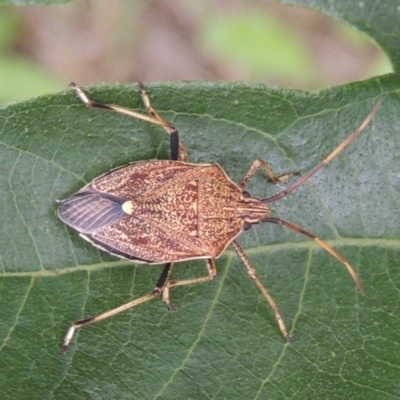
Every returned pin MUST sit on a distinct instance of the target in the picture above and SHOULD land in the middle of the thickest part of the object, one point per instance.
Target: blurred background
(44, 48)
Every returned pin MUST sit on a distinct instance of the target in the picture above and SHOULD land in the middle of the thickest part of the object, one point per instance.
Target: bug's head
(251, 211)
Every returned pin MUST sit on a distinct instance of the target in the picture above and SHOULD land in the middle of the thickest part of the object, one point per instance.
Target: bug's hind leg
(163, 285)
(257, 164)
(178, 150)
(158, 289)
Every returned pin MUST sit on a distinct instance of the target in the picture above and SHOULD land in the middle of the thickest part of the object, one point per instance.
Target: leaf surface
(223, 342)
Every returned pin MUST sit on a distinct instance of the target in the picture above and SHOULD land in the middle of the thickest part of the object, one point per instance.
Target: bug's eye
(245, 194)
(246, 226)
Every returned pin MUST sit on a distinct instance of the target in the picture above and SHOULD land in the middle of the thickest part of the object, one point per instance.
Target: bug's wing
(88, 210)
(146, 240)
(142, 178)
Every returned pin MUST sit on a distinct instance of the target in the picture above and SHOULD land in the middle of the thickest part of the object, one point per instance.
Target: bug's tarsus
(165, 298)
(284, 177)
(259, 163)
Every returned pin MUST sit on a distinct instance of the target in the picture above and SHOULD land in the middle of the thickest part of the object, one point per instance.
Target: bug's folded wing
(146, 240)
(87, 211)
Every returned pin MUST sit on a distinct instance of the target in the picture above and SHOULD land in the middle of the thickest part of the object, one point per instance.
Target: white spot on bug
(127, 207)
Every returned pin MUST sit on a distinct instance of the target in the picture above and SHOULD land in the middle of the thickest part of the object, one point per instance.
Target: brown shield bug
(168, 211)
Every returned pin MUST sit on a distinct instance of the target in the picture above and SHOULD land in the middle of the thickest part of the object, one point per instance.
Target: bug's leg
(178, 150)
(323, 245)
(257, 164)
(160, 286)
(212, 273)
(253, 274)
(152, 118)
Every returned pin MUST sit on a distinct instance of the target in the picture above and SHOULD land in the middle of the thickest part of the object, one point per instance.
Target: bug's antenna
(321, 243)
(327, 160)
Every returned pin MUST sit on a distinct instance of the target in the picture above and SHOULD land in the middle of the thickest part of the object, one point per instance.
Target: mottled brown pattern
(180, 211)
(141, 178)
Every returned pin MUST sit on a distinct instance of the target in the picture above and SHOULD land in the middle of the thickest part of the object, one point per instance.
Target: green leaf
(223, 342)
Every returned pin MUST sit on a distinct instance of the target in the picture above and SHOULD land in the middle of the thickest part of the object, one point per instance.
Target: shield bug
(168, 211)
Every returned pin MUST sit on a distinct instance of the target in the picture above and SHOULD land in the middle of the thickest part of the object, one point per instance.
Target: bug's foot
(289, 339)
(67, 340)
(284, 177)
(171, 307)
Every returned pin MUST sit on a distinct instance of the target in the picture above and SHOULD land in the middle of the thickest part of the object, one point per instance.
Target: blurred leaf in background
(20, 76)
(258, 44)
(43, 48)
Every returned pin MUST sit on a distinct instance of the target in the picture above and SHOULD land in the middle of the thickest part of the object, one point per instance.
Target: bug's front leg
(257, 164)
